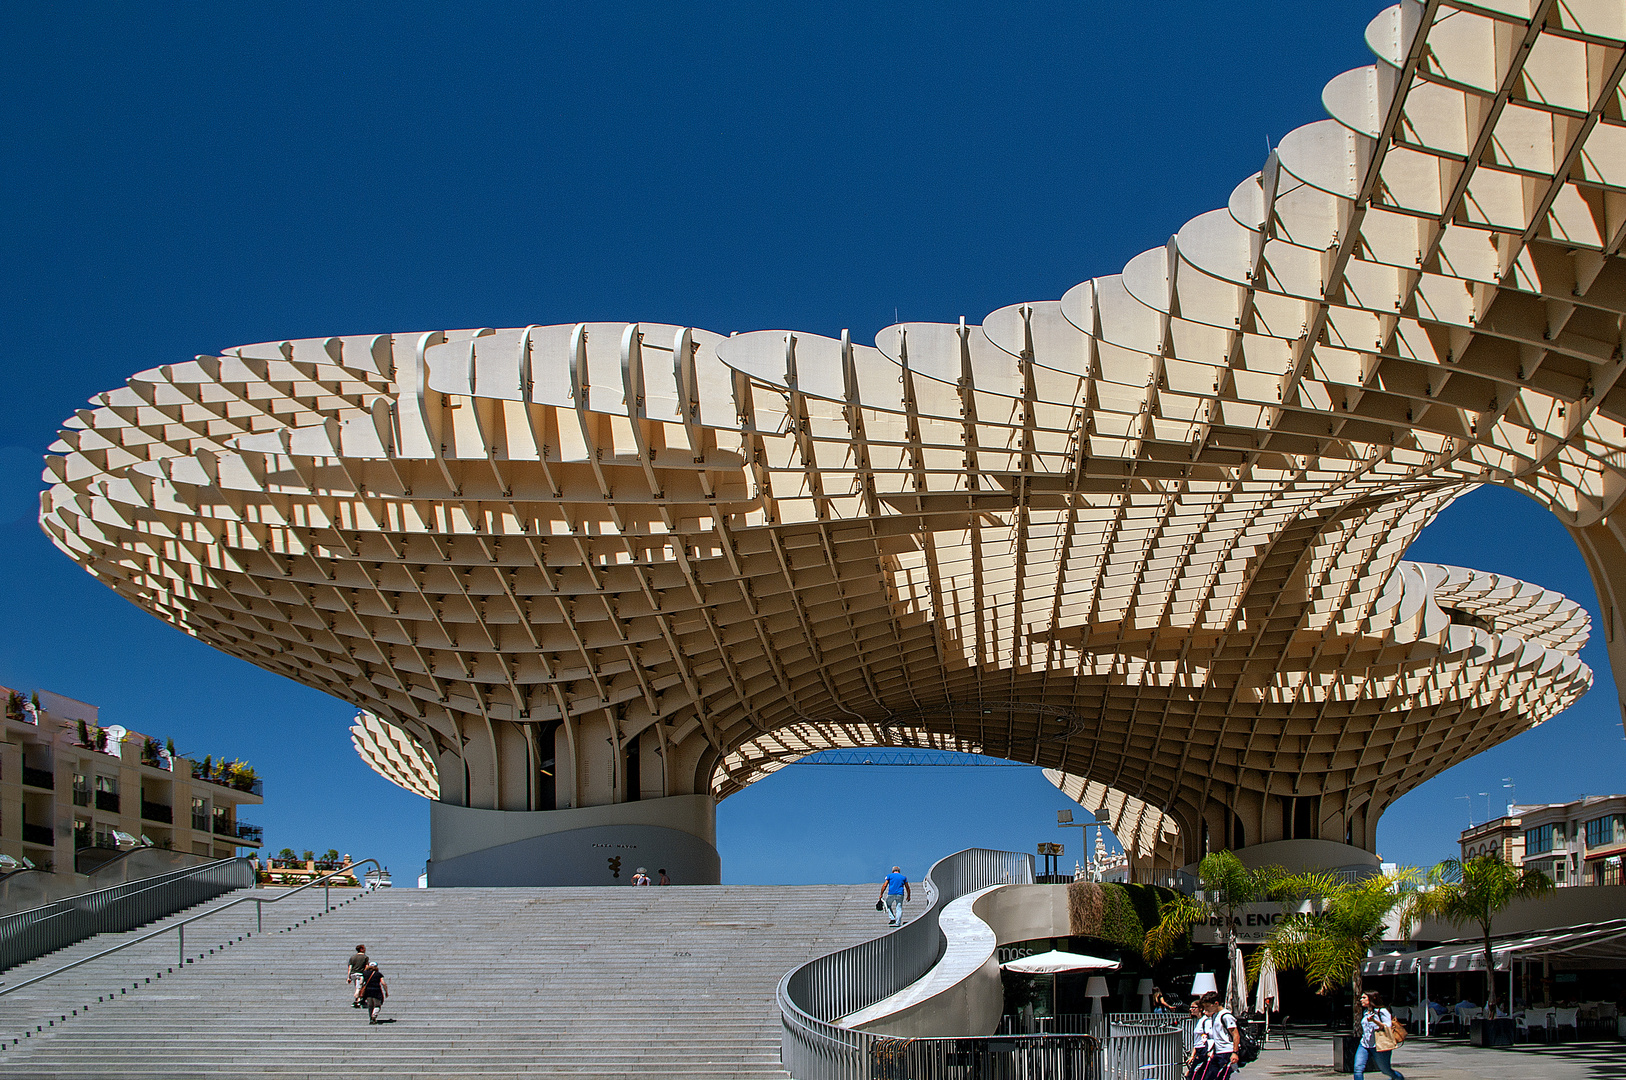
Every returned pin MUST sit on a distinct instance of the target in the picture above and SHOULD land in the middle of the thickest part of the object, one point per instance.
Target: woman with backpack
(1378, 1039)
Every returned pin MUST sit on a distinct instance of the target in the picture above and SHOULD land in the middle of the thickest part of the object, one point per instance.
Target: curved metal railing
(817, 994)
(179, 928)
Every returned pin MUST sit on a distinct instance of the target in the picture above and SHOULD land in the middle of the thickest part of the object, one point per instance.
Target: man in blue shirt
(894, 891)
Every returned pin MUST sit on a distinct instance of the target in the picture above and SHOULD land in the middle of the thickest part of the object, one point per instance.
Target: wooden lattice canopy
(1148, 535)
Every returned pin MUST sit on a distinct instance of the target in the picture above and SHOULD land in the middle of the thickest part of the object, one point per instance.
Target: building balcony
(157, 812)
(255, 786)
(81, 798)
(40, 778)
(39, 834)
(247, 834)
(107, 800)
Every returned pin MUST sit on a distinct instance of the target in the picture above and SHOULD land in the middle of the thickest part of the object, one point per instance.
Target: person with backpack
(1224, 1040)
(1378, 1037)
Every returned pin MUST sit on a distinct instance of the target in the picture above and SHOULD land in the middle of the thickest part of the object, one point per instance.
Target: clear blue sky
(182, 178)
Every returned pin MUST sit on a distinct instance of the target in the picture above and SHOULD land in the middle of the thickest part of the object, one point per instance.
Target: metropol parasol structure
(586, 580)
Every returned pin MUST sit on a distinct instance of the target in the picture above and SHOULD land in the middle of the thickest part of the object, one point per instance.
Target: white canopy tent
(1594, 945)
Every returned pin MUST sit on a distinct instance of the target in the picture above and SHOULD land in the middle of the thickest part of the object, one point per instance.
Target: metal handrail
(813, 997)
(180, 927)
(95, 905)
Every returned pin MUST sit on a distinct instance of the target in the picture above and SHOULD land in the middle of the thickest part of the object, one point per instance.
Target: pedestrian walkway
(1451, 1059)
(675, 983)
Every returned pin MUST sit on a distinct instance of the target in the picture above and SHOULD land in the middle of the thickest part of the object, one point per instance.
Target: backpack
(1247, 1047)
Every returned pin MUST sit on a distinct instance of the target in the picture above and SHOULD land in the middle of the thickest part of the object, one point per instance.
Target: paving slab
(1452, 1059)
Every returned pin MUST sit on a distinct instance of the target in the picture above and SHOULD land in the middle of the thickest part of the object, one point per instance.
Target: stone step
(583, 982)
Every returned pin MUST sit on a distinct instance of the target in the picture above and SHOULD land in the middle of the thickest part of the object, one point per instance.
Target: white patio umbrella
(1267, 995)
(1054, 962)
(1049, 963)
(1236, 988)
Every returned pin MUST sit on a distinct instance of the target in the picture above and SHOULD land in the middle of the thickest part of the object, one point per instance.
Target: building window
(83, 837)
(1604, 830)
(200, 814)
(1606, 871)
(1538, 840)
(81, 789)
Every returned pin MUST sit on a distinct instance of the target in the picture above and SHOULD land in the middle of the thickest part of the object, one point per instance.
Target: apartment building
(74, 794)
(1503, 836)
(1573, 843)
(1577, 843)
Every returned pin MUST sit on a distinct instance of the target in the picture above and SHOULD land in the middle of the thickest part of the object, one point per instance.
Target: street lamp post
(1064, 819)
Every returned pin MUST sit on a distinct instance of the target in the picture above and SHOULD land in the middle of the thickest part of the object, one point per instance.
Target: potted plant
(1471, 892)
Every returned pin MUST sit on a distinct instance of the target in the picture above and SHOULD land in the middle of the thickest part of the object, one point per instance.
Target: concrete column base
(594, 845)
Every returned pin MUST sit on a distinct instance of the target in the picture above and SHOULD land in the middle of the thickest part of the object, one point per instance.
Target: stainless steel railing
(179, 928)
(29, 935)
(1132, 1046)
(1144, 1046)
(988, 1057)
(815, 995)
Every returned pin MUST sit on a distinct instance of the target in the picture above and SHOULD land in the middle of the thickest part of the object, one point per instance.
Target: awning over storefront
(1600, 945)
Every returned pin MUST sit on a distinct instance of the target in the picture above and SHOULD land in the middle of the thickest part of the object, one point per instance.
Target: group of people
(641, 877)
(1214, 1054)
(368, 980)
(1216, 1039)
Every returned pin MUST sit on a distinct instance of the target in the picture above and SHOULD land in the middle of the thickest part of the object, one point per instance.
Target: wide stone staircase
(673, 982)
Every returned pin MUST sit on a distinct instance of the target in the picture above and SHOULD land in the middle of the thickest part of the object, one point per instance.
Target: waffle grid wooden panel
(1148, 536)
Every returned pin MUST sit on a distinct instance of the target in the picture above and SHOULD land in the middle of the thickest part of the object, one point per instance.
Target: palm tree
(1331, 940)
(1227, 886)
(1472, 891)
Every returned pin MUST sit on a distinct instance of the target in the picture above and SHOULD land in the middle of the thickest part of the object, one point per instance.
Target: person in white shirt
(1222, 1040)
(1197, 1060)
